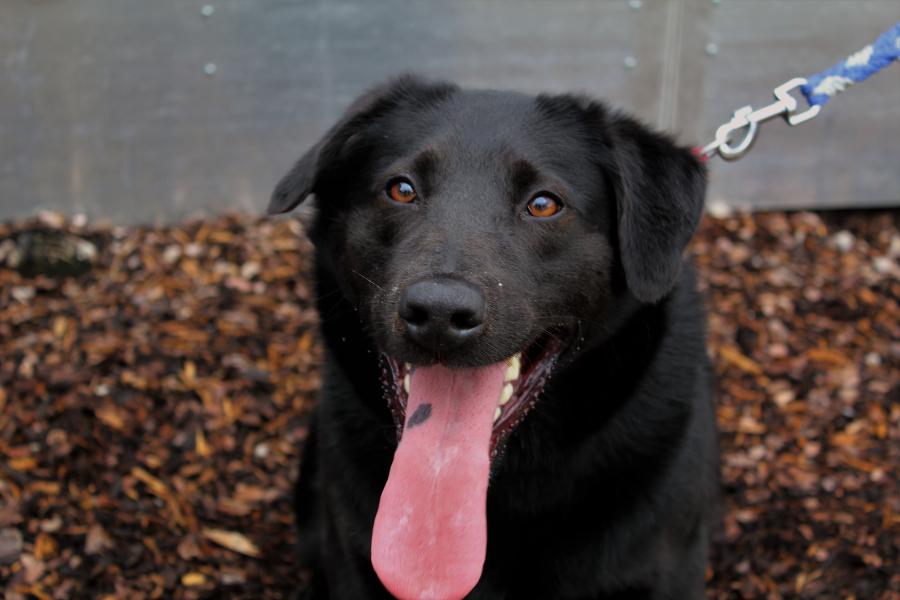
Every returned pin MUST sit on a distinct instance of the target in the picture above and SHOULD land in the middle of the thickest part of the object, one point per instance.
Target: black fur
(605, 490)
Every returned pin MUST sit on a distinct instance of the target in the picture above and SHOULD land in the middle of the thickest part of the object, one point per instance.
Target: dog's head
(474, 231)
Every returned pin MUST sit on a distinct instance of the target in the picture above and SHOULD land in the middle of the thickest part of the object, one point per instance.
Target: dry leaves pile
(152, 412)
(805, 334)
(152, 406)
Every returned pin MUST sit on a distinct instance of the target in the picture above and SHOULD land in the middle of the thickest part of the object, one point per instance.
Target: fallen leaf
(232, 540)
(10, 545)
(97, 540)
(827, 356)
(156, 486)
(111, 415)
(45, 546)
(188, 549)
(734, 356)
(193, 579)
(200, 444)
(22, 463)
(32, 568)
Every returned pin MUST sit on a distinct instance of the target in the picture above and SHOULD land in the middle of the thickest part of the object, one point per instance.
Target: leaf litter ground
(154, 392)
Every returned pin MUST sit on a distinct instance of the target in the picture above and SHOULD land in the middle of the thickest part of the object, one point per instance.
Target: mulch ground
(153, 394)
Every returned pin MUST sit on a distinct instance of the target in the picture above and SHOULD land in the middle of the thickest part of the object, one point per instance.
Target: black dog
(517, 396)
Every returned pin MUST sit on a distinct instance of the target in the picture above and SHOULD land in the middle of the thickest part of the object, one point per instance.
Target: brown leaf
(251, 494)
(733, 356)
(827, 355)
(156, 486)
(10, 545)
(188, 548)
(193, 579)
(22, 463)
(111, 415)
(232, 540)
(45, 546)
(33, 569)
(747, 424)
(97, 540)
(200, 444)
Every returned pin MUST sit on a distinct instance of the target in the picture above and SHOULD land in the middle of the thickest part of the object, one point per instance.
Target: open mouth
(429, 539)
(526, 374)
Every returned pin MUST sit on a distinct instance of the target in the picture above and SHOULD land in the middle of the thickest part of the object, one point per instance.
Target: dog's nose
(442, 314)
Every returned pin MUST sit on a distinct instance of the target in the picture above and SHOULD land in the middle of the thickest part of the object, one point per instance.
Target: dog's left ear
(660, 189)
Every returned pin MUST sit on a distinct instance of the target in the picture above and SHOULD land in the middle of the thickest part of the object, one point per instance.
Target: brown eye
(544, 205)
(401, 190)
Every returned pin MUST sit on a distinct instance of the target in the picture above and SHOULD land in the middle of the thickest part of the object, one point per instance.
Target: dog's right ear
(301, 180)
(296, 185)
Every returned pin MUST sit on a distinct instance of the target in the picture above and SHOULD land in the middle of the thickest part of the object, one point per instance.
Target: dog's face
(475, 232)
(479, 207)
(468, 228)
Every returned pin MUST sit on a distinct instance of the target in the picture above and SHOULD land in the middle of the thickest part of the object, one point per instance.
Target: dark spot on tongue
(421, 414)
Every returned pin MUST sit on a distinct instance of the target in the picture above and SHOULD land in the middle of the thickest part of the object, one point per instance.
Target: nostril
(415, 315)
(464, 320)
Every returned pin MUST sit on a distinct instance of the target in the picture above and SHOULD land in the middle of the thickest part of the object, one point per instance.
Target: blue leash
(818, 89)
(821, 87)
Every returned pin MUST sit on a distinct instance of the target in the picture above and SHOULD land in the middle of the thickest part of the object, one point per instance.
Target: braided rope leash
(818, 89)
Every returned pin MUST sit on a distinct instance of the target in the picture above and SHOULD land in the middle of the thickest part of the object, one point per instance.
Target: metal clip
(749, 119)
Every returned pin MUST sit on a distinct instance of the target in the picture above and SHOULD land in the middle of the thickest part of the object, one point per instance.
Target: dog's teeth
(406, 383)
(514, 364)
(497, 414)
(408, 367)
(506, 394)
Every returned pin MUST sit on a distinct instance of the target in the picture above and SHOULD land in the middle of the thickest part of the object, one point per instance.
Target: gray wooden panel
(105, 107)
(107, 110)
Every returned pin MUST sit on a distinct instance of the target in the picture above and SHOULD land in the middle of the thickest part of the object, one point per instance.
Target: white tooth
(497, 414)
(408, 367)
(514, 364)
(506, 394)
(406, 383)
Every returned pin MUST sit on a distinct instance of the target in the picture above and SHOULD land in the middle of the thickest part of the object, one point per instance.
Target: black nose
(442, 314)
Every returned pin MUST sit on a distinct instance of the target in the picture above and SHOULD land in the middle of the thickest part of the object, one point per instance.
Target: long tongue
(430, 533)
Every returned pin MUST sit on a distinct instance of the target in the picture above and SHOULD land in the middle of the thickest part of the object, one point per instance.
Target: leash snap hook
(749, 119)
(782, 93)
(740, 120)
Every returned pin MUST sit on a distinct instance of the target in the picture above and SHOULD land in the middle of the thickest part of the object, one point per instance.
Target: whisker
(369, 280)
(600, 324)
(329, 294)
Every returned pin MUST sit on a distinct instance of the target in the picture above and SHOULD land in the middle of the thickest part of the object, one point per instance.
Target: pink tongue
(430, 533)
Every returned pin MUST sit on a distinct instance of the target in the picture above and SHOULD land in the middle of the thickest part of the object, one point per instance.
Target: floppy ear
(301, 180)
(659, 200)
(296, 185)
